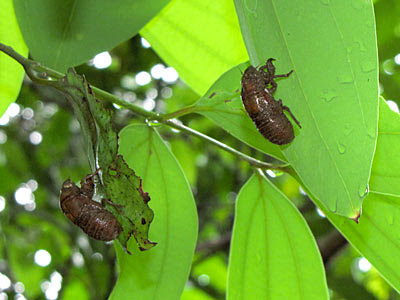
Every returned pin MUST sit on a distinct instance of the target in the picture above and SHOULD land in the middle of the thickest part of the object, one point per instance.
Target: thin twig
(181, 112)
(252, 161)
(33, 68)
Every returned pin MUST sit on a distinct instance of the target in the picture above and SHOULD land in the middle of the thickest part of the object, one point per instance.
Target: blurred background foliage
(42, 255)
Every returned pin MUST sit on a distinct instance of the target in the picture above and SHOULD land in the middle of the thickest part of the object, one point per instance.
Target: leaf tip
(357, 216)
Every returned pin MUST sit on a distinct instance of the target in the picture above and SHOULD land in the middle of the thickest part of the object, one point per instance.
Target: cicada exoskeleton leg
(289, 111)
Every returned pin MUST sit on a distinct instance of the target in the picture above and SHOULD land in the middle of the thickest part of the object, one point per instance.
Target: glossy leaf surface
(162, 272)
(377, 236)
(333, 91)
(68, 34)
(206, 40)
(273, 253)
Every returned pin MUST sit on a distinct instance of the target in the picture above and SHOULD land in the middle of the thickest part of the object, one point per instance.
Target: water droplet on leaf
(341, 148)
(363, 190)
(251, 6)
(328, 96)
(346, 78)
(368, 66)
(371, 132)
(360, 45)
(153, 123)
(348, 129)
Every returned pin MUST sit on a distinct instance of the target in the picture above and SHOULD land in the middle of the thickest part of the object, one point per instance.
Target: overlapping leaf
(70, 33)
(206, 40)
(162, 272)
(377, 236)
(333, 91)
(385, 174)
(273, 253)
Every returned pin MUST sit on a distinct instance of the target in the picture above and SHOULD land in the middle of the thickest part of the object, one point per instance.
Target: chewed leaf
(72, 85)
(119, 184)
(107, 138)
(122, 183)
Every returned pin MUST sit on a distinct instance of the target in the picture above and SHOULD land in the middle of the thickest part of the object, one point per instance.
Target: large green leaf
(11, 72)
(69, 33)
(377, 236)
(160, 273)
(333, 92)
(273, 253)
(200, 39)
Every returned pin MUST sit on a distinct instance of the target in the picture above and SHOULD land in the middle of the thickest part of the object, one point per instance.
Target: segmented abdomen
(264, 110)
(274, 127)
(97, 222)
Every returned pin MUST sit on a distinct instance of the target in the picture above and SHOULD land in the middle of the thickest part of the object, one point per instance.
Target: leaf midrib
(310, 110)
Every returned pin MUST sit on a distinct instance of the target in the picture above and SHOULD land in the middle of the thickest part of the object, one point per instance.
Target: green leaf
(377, 236)
(186, 155)
(75, 290)
(206, 40)
(223, 105)
(11, 72)
(60, 36)
(162, 272)
(385, 174)
(333, 92)
(273, 253)
(192, 293)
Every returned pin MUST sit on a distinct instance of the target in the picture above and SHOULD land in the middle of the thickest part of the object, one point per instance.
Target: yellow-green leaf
(200, 39)
(11, 72)
(161, 272)
(273, 253)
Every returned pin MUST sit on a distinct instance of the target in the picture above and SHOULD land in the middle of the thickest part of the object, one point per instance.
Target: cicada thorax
(266, 112)
(89, 215)
(252, 91)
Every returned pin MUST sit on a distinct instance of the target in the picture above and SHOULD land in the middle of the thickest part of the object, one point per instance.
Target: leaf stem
(33, 69)
(252, 161)
(27, 64)
(181, 112)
